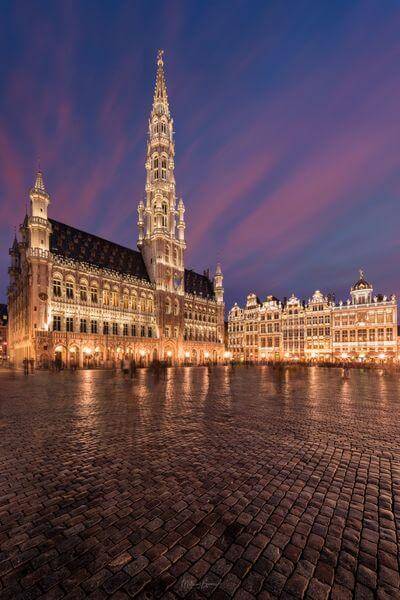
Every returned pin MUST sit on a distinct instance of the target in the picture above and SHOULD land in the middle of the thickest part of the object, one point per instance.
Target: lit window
(69, 290)
(94, 295)
(164, 168)
(83, 293)
(56, 323)
(57, 288)
(155, 168)
(164, 214)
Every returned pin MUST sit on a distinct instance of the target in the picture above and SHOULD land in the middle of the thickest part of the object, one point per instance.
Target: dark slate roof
(78, 245)
(198, 285)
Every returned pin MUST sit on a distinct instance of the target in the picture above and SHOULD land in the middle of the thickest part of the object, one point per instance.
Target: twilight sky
(287, 118)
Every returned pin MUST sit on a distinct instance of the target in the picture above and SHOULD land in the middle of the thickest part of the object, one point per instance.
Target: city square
(200, 482)
(199, 292)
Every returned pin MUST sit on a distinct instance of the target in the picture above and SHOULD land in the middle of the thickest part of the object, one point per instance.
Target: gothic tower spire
(160, 101)
(160, 220)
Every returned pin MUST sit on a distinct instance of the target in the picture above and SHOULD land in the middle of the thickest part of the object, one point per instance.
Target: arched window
(176, 308)
(164, 168)
(164, 214)
(57, 286)
(166, 253)
(163, 127)
(69, 289)
(168, 306)
(175, 256)
(106, 297)
(150, 304)
(83, 291)
(155, 168)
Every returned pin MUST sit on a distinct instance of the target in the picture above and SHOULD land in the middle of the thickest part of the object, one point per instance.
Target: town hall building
(86, 301)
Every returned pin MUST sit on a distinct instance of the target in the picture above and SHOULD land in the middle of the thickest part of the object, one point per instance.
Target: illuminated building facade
(3, 332)
(79, 299)
(363, 328)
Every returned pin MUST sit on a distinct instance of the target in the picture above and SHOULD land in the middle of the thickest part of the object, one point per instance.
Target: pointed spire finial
(361, 272)
(160, 102)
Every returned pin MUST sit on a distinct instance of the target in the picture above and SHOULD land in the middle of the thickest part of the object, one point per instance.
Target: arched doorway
(194, 357)
(169, 356)
(73, 357)
(60, 357)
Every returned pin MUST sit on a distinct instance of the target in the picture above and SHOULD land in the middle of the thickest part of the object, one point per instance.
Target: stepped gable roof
(78, 245)
(198, 285)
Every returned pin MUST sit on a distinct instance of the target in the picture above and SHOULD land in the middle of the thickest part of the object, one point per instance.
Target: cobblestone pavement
(220, 483)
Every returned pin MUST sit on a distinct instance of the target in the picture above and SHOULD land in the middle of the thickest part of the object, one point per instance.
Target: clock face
(177, 281)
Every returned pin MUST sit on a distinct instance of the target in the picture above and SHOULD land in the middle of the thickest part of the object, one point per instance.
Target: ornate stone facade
(363, 328)
(81, 299)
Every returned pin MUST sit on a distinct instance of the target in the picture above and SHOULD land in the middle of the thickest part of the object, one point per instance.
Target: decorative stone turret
(218, 285)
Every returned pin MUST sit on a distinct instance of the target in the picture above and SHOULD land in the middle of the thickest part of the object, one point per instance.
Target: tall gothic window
(164, 214)
(83, 293)
(164, 168)
(69, 290)
(57, 288)
(94, 294)
(155, 168)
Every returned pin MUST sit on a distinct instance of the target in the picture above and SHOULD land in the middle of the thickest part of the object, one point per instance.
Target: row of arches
(73, 356)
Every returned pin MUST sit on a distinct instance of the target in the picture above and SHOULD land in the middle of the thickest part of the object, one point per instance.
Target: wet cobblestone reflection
(246, 482)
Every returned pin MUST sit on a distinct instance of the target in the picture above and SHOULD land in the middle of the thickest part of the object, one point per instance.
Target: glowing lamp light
(187, 354)
(169, 353)
(59, 348)
(227, 354)
(343, 355)
(87, 351)
(72, 350)
(262, 355)
(382, 356)
(142, 352)
(97, 349)
(206, 354)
